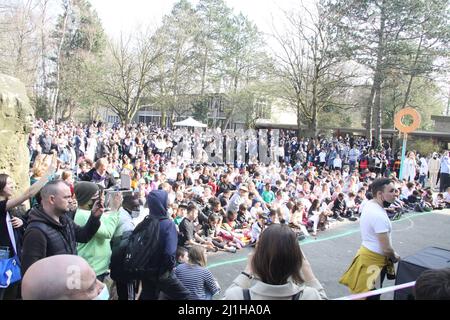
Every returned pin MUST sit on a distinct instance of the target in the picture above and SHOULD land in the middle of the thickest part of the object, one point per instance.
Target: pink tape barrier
(378, 291)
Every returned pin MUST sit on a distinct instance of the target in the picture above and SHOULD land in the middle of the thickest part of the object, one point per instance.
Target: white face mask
(135, 214)
(103, 295)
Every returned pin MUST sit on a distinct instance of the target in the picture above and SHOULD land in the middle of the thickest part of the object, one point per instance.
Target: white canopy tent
(190, 122)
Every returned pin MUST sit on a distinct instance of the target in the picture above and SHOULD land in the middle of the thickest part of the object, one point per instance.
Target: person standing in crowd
(50, 231)
(423, 171)
(434, 164)
(444, 177)
(376, 254)
(45, 142)
(11, 230)
(129, 211)
(409, 168)
(100, 175)
(196, 277)
(165, 281)
(97, 251)
(353, 156)
(277, 270)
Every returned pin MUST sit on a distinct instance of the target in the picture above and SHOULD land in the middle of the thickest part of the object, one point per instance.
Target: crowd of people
(77, 171)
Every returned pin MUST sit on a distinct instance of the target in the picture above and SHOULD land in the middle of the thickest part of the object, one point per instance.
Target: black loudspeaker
(410, 268)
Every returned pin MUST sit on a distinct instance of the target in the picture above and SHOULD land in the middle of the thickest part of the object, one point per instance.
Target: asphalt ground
(331, 252)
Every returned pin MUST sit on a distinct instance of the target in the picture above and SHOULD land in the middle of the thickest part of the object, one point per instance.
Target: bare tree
(312, 75)
(130, 73)
(55, 92)
(18, 40)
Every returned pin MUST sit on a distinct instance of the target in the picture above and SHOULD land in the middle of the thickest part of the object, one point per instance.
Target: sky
(126, 15)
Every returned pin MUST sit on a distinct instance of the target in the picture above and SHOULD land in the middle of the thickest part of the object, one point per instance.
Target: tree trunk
(43, 53)
(58, 63)
(369, 115)
(299, 122)
(313, 126)
(163, 118)
(408, 89)
(379, 110)
(205, 62)
(448, 105)
(379, 78)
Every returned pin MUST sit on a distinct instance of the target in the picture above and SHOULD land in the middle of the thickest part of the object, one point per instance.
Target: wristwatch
(247, 275)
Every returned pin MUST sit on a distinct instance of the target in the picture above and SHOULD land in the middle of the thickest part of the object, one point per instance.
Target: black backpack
(130, 259)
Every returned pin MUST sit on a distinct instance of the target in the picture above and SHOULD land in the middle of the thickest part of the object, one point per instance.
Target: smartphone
(107, 200)
(109, 194)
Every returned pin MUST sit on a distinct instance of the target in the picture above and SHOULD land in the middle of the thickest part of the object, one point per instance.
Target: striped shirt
(198, 280)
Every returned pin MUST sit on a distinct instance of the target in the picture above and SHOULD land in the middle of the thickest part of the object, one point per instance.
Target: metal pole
(405, 137)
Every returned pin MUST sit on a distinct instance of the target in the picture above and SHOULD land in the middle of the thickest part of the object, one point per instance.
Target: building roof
(265, 123)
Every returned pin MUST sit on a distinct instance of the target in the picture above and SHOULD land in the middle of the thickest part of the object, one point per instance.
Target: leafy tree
(176, 65)
(386, 36)
(81, 47)
(200, 111)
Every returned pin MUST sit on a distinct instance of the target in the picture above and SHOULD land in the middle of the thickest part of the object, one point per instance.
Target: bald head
(60, 277)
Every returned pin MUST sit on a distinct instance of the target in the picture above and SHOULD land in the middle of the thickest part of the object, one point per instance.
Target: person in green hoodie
(97, 252)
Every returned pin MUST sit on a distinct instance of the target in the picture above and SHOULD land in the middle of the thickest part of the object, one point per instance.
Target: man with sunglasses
(376, 256)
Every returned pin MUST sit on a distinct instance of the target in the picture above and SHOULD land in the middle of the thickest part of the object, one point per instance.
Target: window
(112, 119)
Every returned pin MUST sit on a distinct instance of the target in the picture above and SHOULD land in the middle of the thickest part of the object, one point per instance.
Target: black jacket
(109, 180)
(44, 237)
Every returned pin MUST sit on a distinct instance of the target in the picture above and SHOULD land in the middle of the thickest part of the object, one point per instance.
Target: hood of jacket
(157, 201)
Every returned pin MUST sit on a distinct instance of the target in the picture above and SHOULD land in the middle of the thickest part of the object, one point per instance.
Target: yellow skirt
(364, 271)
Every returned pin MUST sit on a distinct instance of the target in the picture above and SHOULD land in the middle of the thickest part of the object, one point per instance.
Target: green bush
(423, 146)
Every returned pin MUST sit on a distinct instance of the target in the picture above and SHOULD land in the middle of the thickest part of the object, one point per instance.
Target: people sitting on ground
(438, 202)
(187, 236)
(212, 232)
(257, 228)
(339, 208)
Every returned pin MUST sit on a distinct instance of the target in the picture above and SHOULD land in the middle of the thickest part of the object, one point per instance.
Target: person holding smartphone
(97, 251)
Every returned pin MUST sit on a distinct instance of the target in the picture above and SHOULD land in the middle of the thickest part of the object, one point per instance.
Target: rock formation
(16, 121)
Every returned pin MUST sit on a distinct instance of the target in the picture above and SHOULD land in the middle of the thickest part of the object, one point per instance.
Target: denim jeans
(422, 180)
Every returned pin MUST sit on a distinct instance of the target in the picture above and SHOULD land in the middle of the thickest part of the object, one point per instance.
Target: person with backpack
(277, 270)
(129, 211)
(161, 260)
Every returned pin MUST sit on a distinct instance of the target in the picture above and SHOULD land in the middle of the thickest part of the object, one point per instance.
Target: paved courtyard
(331, 252)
